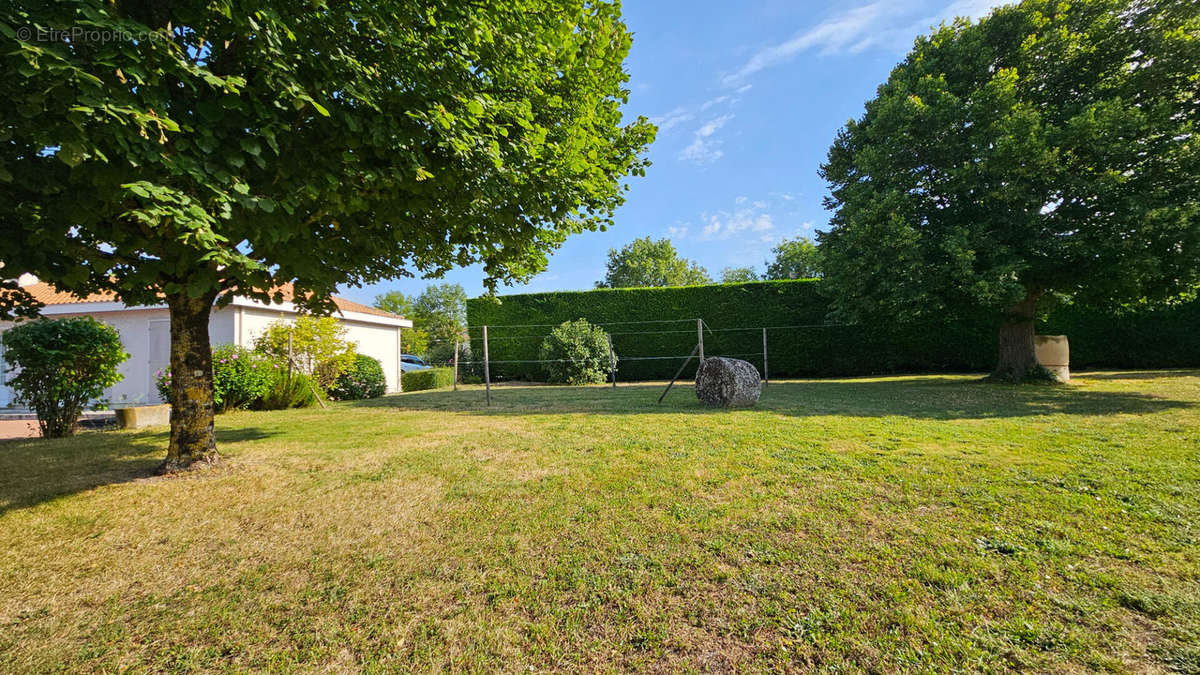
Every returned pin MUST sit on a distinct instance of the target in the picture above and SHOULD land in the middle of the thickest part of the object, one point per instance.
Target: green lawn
(919, 523)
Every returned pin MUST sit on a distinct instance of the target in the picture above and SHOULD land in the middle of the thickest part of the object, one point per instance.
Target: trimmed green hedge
(1160, 338)
(420, 380)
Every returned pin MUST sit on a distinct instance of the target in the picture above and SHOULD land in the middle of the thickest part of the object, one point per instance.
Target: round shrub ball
(576, 352)
(728, 383)
(363, 378)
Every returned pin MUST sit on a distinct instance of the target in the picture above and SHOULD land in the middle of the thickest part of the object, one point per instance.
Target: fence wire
(476, 343)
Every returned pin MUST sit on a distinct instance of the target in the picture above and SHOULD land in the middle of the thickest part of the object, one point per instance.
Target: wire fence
(478, 344)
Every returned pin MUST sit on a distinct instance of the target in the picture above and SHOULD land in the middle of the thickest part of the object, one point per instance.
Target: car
(409, 363)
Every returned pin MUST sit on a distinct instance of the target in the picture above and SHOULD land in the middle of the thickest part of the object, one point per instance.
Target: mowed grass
(908, 523)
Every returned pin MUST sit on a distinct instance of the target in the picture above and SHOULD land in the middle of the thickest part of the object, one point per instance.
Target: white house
(146, 332)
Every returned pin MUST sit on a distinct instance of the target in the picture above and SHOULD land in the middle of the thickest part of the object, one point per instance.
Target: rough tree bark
(1018, 359)
(192, 439)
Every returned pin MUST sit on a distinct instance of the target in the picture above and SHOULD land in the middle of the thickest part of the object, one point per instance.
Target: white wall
(377, 341)
(146, 336)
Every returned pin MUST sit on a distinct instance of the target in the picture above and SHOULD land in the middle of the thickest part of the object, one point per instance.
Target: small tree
(577, 353)
(645, 262)
(64, 363)
(318, 347)
(797, 258)
(441, 312)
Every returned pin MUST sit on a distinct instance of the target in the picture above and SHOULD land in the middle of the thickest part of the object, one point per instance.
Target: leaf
(71, 153)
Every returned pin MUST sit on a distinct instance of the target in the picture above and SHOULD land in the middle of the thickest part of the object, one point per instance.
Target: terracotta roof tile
(48, 295)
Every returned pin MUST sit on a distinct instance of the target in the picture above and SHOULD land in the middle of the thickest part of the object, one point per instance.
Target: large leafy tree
(646, 262)
(797, 258)
(1049, 148)
(177, 152)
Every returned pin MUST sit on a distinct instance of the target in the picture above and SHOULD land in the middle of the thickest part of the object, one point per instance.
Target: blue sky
(747, 97)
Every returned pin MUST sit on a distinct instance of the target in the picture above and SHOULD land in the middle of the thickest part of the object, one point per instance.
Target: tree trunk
(1018, 358)
(192, 439)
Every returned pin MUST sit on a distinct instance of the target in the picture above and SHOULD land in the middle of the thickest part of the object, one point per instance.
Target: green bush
(1136, 337)
(363, 378)
(442, 354)
(284, 392)
(240, 378)
(576, 352)
(420, 380)
(63, 364)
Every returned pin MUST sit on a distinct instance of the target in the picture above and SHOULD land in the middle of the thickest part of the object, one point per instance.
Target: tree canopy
(416, 341)
(646, 262)
(1048, 148)
(441, 311)
(731, 275)
(193, 147)
(438, 313)
(797, 258)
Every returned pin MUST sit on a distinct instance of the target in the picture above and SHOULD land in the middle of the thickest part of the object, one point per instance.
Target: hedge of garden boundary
(433, 378)
(1149, 337)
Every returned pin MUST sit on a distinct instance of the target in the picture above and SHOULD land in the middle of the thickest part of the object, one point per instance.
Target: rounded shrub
(363, 378)
(62, 365)
(576, 353)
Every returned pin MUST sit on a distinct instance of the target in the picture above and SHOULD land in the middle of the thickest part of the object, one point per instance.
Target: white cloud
(677, 232)
(738, 223)
(884, 24)
(686, 113)
(704, 148)
(672, 119)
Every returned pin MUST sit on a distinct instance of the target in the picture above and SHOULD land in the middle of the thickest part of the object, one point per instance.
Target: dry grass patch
(880, 524)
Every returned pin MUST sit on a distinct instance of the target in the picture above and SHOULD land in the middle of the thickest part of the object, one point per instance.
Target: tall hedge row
(1159, 338)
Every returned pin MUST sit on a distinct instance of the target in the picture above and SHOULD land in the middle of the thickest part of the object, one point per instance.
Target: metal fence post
(766, 378)
(700, 337)
(456, 344)
(612, 361)
(487, 372)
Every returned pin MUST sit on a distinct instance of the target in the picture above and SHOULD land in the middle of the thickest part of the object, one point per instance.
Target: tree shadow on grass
(38, 470)
(945, 398)
(1134, 374)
